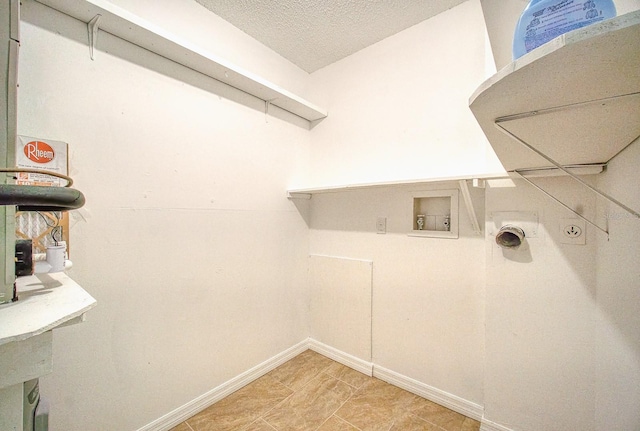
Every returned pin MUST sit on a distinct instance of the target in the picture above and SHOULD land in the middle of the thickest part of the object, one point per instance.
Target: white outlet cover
(575, 224)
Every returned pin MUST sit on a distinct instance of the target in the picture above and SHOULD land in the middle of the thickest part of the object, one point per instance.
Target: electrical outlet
(572, 231)
(381, 225)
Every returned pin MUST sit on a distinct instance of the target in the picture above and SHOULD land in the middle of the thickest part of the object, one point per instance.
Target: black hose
(41, 198)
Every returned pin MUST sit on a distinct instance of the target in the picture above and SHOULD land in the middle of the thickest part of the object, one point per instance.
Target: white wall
(542, 343)
(427, 293)
(545, 338)
(618, 300)
(196, 257)
(340, 304)
(562, 338)
(540, 309)
(399, 109)
(196, 24)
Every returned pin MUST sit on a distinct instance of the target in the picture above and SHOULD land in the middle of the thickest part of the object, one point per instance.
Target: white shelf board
(581, 94)
(132, 28)
(305, 193)
(45, 301)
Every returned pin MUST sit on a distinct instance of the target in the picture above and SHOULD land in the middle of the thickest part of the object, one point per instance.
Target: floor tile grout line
(262, 416)
(339, 407)
(273, 407)
(293, 392)
(307, 382)
(268, 424)
(344, 420)
(357, 388)
(317, 375)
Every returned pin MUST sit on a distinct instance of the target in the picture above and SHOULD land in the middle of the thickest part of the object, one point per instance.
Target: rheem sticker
(39, 152)
(43, 155)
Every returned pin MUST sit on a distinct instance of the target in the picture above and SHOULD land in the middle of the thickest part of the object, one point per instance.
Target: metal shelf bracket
(92, 28)
(567, 172)
(464, 188)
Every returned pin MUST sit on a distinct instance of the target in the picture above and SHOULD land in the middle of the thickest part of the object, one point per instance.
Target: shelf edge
(303, 192)
(617, 23)
(132, 28)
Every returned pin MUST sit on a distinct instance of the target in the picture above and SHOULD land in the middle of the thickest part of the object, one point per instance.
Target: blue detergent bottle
(543, 20)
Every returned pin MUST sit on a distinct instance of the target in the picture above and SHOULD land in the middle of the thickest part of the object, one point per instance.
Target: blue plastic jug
(543, 20)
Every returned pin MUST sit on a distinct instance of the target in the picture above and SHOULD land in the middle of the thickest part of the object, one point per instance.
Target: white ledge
(305, 193)
(46, 301)
(132, 28)
(575, 99)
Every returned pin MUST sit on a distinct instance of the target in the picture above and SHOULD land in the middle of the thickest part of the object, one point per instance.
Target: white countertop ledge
(45, 302)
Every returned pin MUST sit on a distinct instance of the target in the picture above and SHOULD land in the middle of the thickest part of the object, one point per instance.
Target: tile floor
(314, 393)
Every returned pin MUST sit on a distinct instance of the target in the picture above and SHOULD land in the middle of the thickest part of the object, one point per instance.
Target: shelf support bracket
(296, 195)
(561, 203)
(93, 27)
(566, 171)
(464, 188)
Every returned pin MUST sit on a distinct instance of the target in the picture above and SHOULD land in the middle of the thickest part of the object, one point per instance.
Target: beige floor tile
(347, 375)
(375, 406)
(336, 424)
(413, 423)
(311, 406)
(470, 425)
(242, 407)
(259, 425)
(301, 370)
(182, 427)
(314, 393)
(437, 414)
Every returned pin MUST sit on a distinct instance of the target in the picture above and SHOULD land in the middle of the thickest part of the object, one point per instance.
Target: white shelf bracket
(295, 195)
(464, 188)
(93, 27)
(568, 172)
(267, 105)
(561, 203)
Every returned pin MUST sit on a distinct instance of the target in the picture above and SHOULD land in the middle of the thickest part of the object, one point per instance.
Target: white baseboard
(195, 406)
(445, 399)
(341, 357)
(438, 396)
(487, 425)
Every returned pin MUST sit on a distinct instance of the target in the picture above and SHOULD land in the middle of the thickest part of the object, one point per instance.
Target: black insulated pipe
(41, 198)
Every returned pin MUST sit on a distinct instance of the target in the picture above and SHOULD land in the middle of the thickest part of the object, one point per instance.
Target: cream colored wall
(618, 292)
(399, 109)
(196, 24)
(562, 339)
(519, 338)
(340, 304)
(195, 256)
(427, 293)
(543, 332)
(540, 309)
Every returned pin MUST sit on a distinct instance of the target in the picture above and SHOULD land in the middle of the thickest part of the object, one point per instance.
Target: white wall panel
(340, 304)
(427, 292)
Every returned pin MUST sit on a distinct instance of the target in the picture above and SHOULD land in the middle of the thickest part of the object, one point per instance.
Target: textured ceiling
(315, 33)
